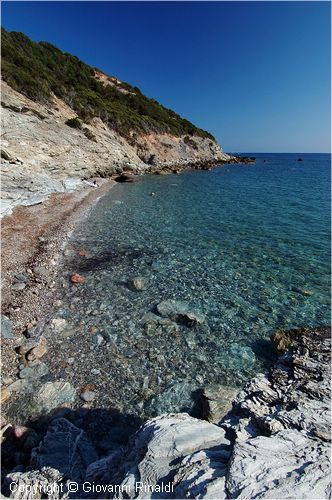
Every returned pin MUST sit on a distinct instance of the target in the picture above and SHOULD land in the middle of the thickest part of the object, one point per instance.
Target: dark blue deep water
(248, 246)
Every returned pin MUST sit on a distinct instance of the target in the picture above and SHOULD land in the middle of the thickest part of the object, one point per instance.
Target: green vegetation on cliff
(39, 69)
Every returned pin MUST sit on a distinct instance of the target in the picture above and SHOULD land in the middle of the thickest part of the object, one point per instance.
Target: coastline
(32, 238)
(257, 424)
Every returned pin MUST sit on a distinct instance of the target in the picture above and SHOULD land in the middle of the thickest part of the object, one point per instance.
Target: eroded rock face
(288, 464)
(155, 453)
(274, 443)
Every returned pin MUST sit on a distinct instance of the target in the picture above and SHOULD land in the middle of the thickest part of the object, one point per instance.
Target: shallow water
(247, 246)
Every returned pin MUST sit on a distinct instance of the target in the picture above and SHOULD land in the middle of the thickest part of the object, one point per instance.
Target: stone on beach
(77, 278)
(18, 286)
(6, 328)
(88, 396)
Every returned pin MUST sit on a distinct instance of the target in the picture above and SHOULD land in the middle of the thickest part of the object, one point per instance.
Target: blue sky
(255, 74)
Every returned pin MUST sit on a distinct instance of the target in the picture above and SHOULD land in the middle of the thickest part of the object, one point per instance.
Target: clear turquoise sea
(246, 245)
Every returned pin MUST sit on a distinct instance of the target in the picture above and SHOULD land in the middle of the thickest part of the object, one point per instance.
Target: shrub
(89, 134)
(40, 69)
(74, 123)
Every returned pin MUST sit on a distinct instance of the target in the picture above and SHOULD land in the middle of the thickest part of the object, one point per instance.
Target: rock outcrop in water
(274, 443)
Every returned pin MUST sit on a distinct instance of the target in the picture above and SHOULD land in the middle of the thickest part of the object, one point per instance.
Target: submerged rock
(77, 279)
(54, 394)
(21, 278)
(182, 396)
(138, 283)
(180, 312)
(18, 286)
(88, 396)
(237, 358)
(34, 372)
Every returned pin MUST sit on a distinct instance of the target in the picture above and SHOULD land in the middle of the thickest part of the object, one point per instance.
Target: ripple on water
(240, 245)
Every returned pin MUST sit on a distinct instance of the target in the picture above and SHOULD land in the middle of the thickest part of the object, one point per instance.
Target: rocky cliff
(64, 122)
(274, 443)
(41, 154)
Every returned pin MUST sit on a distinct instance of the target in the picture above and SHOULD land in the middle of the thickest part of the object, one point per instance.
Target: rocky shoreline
(42, 155)
(273, 443)
(270, 440)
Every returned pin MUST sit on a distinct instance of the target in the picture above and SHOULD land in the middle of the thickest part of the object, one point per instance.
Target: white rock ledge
(274, 443)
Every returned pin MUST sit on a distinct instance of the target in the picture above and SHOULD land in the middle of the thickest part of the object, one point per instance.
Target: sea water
(245, 246)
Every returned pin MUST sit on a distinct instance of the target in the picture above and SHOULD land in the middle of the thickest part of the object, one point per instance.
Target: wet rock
(95, 371)
(180, 312)
(18, 287)
(65, 448)
(138, 283)
(77, 279)
(98, 339)
(83, 253)
(6, 328)
(217, 402)
(54, 394)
